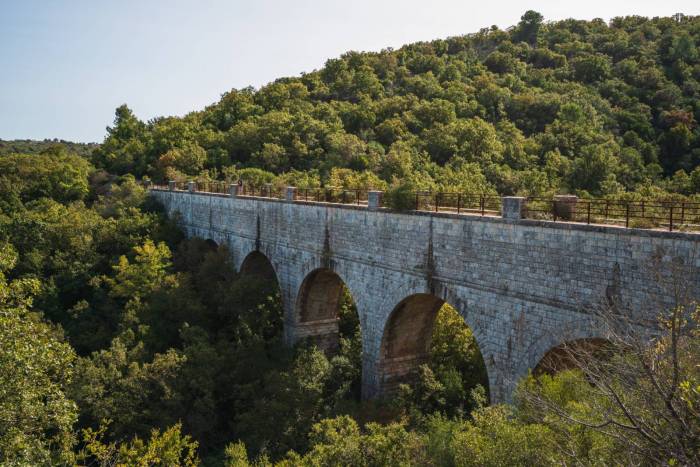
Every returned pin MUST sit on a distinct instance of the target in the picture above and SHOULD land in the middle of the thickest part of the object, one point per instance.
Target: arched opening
(258, 281)
(571, 354)
(427, 338)
(258, 265)
(326, 311)
(211, 244)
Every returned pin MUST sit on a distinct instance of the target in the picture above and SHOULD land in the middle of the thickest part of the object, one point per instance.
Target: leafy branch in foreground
(637, 398)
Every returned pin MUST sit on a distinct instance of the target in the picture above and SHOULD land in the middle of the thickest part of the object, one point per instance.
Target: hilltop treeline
(567, 106)
(28, 146)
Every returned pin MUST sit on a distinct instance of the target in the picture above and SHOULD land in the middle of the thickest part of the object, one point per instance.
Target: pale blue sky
(66, 65)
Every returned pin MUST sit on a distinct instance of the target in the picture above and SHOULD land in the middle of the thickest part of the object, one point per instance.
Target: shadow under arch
(407, 338)
(570, 354)
(325, 310)
(256, 264)
(211, 244)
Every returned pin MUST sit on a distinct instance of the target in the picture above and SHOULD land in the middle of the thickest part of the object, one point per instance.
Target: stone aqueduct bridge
(522, 286)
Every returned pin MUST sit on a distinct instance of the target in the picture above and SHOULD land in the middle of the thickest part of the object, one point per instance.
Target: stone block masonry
(522, 286)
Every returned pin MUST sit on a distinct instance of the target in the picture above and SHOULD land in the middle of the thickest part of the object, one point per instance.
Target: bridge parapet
(649, 215)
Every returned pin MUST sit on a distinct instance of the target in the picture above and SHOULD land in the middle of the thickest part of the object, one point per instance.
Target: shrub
(401, 197)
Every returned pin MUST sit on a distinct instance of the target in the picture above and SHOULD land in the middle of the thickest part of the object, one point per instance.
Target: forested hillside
(28, 146)
(123, 343)
(568, 106)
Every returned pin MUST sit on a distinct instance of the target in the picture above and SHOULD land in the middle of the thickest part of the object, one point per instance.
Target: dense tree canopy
(568, 106)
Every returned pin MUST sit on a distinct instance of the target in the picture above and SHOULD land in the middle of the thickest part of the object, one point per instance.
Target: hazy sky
(66, 65)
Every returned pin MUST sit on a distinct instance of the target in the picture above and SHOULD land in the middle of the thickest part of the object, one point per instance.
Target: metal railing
(670, 215)
(213, 187)
(263, 191)
(332, 195)
(458, 203)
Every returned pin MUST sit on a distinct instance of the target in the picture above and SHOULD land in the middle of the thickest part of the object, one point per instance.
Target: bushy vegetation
(122, 343)
(28, 146)
(584, 107)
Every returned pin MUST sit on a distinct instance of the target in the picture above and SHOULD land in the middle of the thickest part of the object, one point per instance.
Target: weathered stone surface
(374, 199)
(513, 207)
(522, 286)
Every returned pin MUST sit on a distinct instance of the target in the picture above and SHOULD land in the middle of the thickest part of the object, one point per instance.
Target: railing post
(459, 201)
(233, 190)
(588, 212)
(670, 218)
(171, 185)
(482, 205)
(682, 212)
(290, 194)
(627, 214)
(191, 186)
(373, 200)
(513, 207)
(268, 187)
(437, 202)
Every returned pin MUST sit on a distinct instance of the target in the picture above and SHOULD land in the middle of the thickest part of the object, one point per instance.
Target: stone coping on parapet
(560, 225)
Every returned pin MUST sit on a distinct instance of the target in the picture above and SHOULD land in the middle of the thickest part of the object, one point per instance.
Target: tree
(338, 441)
(640, 392)
(36, 366)
(494, 438)
(591, 68)
(169, 448)
(123, 150)
(528, 27)
(54, 174)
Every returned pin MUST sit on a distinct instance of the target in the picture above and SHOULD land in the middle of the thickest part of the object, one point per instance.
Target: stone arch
(317, 308)
(211, 244)
(582, 329)
(259, 265)
(565, 355)
(407, 337)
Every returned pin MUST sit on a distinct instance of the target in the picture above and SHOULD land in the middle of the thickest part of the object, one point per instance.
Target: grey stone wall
(522, 286)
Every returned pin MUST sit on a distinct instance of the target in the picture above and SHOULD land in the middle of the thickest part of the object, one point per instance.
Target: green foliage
(68, 244)
(36, 366)
(401, 197)
(454, 381)
(635, 402)
(27, 146)
(54, 173)
(572, 392)
(350, 179)
(338, 441)
(615, 102)
(495, 438)
(169, 448)
(124, 149)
